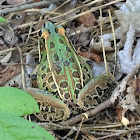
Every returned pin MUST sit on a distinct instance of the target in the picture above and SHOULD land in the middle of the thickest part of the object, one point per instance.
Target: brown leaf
(136, 86)
(119, 113)
(88, 20)
(7, 34)
(121, 116)
(9, 73)
(89, 55)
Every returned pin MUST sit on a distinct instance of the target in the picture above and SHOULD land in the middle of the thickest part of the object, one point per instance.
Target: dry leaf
(108, 40)
(8, 74)
(29, 60)
(129, 13)
(129, 57)
(90, 55)
(120, 116)
(129, 102)
(7, 33)
(6, 58)
(87, 20)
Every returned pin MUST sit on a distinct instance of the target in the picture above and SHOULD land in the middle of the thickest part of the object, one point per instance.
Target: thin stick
(114, 38)
(103, 47)
(89, 113)
(27, 6)
(8, 50)
(15, 5)
(22, 68)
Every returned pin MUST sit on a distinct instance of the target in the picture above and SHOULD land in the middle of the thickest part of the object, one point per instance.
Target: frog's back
(60, 70)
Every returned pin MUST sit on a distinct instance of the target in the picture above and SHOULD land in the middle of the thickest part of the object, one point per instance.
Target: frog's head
(50, 29)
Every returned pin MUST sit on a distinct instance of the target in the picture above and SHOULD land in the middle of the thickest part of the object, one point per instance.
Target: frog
(65, 81)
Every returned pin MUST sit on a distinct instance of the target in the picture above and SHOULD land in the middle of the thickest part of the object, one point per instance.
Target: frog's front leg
(96, 91)
(51, 108)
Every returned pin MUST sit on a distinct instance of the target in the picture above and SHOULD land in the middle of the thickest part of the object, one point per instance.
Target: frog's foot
(51, 108)
(96, 91)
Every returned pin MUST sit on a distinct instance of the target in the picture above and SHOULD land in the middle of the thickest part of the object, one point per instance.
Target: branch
(27, 6)
(89, 113)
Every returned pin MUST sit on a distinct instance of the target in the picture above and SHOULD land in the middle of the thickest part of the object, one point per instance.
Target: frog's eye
(40, 33)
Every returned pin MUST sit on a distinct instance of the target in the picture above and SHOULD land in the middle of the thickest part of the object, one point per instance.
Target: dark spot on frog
(71, 60)
(66, 63)
(67, 49)
(44, 84)
(85, 68)
(98, 100)
(99, 90)
(62, 112)
(84, 83)
(56, 29)
(53, 86)
(46, 109)
(52, 45)
(66, 95)
(88, 97)
(84, 77)
(45, 116)
(52, 110)
(44, 138)
(38, 104)
(75, 74)
(85, 104)
(88, 75)
(47, 89)
(72, 100)
(49, 32)
(43, 68)
(63, 84)
(79, 86)
(58, 69)
(108, 84)
(43, 76)
(56, 57)
(33, 126)
(61, 41)
(50, 79)
(48, 70)
(76, 91)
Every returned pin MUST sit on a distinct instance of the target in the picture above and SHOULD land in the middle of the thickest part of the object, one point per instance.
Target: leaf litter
(82, 21)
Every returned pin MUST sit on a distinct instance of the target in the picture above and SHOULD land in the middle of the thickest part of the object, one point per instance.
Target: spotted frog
(65, 80)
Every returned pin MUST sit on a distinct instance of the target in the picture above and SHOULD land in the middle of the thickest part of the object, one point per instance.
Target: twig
(27, 6)
(15, 5)
(114, 38)
(83, 13)
(15, 64)
(90, 113)
(102, 41)
(8, 50)
(22, 68)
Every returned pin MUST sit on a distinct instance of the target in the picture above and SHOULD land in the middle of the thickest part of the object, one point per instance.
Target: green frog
(64, 79)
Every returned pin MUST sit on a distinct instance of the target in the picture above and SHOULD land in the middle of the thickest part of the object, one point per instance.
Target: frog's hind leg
(51, 107)
(96, 91)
